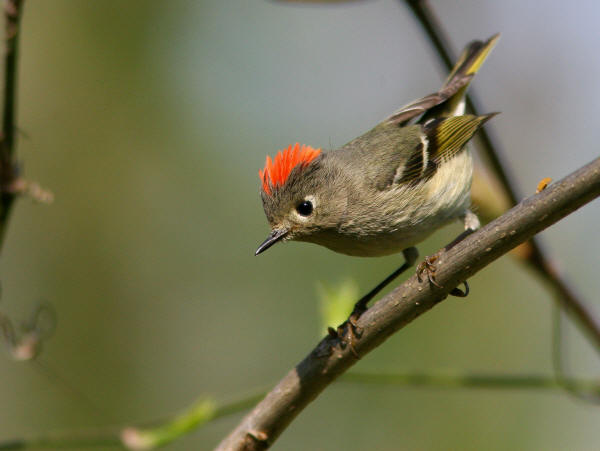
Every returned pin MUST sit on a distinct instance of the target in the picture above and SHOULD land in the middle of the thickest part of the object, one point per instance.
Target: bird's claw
(349, 332)
(460, 293)
(428, 266)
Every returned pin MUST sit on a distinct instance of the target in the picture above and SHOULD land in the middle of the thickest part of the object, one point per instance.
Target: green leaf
(336, 302)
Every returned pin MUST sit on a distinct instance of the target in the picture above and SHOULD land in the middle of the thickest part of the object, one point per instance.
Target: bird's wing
(389, 155)
(442, 139)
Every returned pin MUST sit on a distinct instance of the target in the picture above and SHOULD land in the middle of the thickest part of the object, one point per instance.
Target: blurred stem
(465, 380)
(559, 365)
(194, 417)
(205, 411)
(67, 440)
(536, 258)
(8, 167)
(191, 419)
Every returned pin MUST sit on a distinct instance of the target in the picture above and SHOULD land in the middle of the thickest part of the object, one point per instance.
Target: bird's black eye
(304, 208)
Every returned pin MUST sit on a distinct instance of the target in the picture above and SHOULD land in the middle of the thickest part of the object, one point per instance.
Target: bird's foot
(427, 266)
(349, 332)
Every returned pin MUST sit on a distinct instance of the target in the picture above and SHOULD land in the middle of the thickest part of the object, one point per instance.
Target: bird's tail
(450, 99)
(469, 62)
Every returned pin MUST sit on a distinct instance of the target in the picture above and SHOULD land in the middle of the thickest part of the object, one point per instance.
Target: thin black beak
(274, 237)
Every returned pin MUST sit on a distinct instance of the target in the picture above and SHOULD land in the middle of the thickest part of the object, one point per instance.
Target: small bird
(388, 189)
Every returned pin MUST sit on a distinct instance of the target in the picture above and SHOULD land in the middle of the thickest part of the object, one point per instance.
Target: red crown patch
(277, 171)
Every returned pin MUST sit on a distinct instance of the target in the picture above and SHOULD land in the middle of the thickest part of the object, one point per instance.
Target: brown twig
(261, 427)
(8, 167)
(536, 258)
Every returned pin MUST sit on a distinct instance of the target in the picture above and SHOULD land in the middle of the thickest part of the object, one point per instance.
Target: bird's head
(299, 195)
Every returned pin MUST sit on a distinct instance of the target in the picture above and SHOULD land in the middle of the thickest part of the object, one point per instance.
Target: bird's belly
(374, 245)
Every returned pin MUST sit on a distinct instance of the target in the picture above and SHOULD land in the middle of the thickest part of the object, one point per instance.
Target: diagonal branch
(261, 427)
(537, 258)
(434, 30)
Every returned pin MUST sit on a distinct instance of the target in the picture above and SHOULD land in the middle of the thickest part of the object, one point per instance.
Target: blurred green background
(149, 121)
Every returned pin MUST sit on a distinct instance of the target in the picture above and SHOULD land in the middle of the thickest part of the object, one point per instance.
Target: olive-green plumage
(391, 187)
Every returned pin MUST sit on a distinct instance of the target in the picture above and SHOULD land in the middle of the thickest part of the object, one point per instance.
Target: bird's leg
(427, 266)
(410, 256)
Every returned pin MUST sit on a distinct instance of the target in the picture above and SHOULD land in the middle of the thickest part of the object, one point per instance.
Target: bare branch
(12, 11)
(8, 166)
(261, 427)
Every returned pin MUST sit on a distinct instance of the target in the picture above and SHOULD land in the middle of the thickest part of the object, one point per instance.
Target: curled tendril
(27, 344)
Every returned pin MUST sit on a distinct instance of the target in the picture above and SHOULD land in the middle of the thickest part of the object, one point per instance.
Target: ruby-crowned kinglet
(388, 189)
